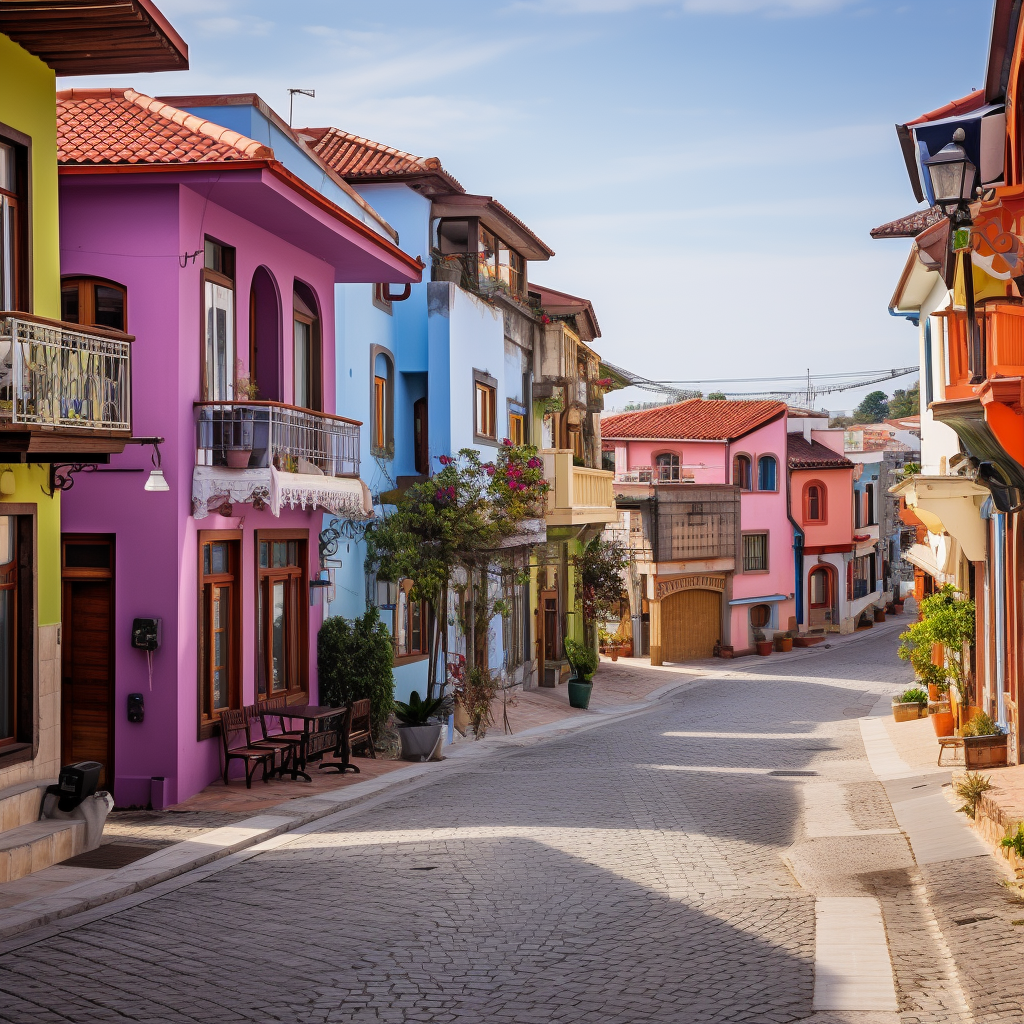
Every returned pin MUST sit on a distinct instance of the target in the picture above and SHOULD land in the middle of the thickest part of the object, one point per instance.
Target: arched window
(93, 302)
(264, 338)
(306, 384)
(741, 472)
(667, 467)
(767, 474)
(760, 615)
(814, 502)
(382, 438)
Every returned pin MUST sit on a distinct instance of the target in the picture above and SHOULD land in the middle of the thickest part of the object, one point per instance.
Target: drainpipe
(798, 552)
(998, 592)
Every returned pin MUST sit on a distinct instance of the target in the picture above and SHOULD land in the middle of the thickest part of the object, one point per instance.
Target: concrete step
(37, 845)
(20, 805)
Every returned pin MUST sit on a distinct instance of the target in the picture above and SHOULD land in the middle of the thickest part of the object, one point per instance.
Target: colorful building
(704, 483)
(65, 392)
(223, 264)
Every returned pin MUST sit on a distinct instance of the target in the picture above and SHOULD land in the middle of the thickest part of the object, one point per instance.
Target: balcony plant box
(783, 643)
(985, 751)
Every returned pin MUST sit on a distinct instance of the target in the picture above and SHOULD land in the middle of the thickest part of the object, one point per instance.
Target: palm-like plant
(417, 711)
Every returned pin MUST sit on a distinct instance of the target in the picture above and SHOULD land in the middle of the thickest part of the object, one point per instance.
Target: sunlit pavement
(726, 856)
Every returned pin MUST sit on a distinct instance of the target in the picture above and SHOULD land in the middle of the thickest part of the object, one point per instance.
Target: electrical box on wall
(146, 634)
(136, 707)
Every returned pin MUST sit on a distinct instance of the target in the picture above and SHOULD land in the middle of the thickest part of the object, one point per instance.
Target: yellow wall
(28, 104)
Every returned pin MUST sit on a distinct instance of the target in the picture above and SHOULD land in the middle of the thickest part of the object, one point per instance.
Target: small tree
(354, 661)
(599, 582)
(873, 409)
(906, 403)
(948, 619)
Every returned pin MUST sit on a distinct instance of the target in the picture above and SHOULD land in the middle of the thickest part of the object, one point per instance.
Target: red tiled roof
(562, 303)
(964, 105)
(804, 454)
(352, 156)
(697, 419)
(121, 126)
(910, 226)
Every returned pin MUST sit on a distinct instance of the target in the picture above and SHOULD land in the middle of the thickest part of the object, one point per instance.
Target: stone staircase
(28, 844)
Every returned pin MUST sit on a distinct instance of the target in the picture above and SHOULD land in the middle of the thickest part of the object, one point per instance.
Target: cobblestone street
(666, 866)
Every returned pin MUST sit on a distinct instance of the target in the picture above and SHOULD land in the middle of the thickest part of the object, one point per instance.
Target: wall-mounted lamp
(62, 474)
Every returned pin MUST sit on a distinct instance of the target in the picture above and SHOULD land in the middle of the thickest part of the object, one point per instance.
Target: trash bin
(76, 782)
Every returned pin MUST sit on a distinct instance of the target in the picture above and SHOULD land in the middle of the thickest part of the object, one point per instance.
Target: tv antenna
(292, 93)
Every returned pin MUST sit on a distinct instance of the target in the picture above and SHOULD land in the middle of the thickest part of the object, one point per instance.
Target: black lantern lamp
(952, 176)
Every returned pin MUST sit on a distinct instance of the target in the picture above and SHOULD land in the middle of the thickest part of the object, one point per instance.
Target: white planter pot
(419, 742)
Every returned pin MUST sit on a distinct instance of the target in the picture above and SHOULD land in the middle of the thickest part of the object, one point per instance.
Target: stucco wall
(838, 527)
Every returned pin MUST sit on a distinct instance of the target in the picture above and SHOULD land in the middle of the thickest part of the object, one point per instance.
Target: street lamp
(952, 178)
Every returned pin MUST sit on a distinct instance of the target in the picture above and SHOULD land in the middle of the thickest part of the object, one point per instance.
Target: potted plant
(583, 662)
(784, 642)
(762, 643)
(418, 735)
(910, 704)
(984, 743)
(941, 715)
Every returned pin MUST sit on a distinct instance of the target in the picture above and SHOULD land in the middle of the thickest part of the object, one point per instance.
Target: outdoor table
(310, 715)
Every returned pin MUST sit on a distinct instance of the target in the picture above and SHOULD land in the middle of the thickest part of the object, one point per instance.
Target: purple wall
(131, 230)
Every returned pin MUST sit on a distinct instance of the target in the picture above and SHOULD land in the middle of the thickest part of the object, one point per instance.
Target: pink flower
(445, 460)
(451, 492)
(490, 470)
(535, 463)
(506, 443)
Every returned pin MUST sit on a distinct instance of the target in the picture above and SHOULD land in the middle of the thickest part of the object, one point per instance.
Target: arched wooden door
(691, 622)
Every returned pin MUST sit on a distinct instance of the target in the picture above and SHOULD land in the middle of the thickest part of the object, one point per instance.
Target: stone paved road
(649, 870)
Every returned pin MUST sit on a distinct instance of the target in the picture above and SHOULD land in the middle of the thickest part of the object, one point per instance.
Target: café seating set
(257, 734)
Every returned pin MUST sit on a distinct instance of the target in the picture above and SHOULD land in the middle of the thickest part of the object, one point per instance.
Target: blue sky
(707, 171)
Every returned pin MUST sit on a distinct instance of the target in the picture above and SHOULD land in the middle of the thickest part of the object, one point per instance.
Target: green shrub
(981, 725)
(915, 695)
(970, 788)
(1015, 840)
(354, 662)
(582, 659)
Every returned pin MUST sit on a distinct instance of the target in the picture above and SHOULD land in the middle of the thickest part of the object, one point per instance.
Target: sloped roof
(360, 159)
(558, 303)
(910, 226)
(804, 454)
(121, 126)
(697, 419)
(964, 105)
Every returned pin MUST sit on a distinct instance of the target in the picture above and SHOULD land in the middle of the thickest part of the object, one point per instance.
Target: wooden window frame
(314, 357)
(26, 675)
(676, 467)
(750, 471)
(224, 280)
(209, 724)
(767, 490)
(822, 519)
(20, 200)
(517, 428)
(87, 299)
(829, 574)
(404, 587)
(297, 690)
(385, 422)
(484, 383)
(767, 550)
(421, 435)
(767, 624)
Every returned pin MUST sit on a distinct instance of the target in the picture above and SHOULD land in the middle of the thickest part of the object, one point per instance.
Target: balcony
(274, 456)
(261, 435)
(700, 523)
(999, 351)
(577, 496)
(63, 388)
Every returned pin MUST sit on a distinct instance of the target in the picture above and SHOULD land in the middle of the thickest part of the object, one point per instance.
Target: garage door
(691, 622)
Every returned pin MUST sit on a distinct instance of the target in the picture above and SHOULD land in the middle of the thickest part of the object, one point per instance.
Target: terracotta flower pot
(879, 615)
(614, 654)
(933, 691)
(897, 607)
(764, 647)
(238, 458)
(942, 723)
(783, 644)
(909, 712)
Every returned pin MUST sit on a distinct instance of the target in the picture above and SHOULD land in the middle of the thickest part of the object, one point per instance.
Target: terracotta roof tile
(910, 226)
(804, 454)
(121, 126)
(352, 156)
(698, 419)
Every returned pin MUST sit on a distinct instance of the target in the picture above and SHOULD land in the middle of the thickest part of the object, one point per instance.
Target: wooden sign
(663, 588)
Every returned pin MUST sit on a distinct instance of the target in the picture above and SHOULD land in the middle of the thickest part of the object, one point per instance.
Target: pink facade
(138, 230)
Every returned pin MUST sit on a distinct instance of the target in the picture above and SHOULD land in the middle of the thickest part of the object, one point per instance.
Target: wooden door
(691, 622)
(87, 653)
(421, 442)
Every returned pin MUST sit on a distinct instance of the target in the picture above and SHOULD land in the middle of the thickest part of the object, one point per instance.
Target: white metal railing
(274, 434)
(641, 475)
(57, 375)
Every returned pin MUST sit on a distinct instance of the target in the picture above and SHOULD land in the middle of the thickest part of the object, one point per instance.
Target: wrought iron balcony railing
(59, 375)
(258, 435)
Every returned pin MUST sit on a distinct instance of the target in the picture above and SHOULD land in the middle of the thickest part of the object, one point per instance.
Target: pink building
(222, 264)
(705, 485)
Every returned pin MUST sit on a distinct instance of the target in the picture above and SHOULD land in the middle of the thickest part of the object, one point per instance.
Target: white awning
(216, 486)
